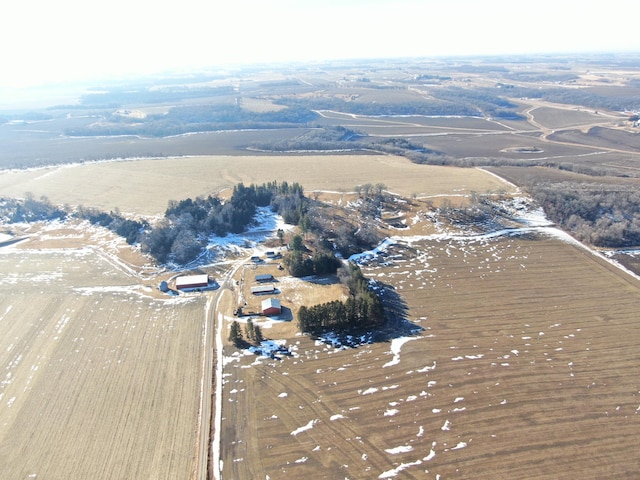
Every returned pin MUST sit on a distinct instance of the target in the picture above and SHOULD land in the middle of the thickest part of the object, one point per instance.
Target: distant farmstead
(271, 306)
(187, 282)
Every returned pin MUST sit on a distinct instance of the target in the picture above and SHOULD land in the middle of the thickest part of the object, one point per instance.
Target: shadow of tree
(396, 312)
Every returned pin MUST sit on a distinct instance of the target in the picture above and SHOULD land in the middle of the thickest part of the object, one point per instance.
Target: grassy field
(145, 186)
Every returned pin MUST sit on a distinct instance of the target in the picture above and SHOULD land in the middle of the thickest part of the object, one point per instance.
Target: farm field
(522, 364)
(145, 186)
(511, 350)
(100, 377)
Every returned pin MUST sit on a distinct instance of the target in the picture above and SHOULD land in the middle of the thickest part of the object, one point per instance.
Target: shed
(271, 306)
(263, 289)
(267, 277)
(192, 281)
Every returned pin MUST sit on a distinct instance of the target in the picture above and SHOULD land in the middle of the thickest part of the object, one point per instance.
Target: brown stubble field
(101, 377)
(145, 186)
(525, 366)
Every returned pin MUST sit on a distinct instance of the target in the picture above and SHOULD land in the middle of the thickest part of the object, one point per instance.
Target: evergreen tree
(250, 331)
(257, 334)
(235, 334)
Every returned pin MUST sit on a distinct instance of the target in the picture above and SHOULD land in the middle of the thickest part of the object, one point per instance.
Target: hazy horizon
(49, 44)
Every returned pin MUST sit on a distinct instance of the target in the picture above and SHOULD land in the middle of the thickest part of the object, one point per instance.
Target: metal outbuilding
(263, 289)
(267, 277)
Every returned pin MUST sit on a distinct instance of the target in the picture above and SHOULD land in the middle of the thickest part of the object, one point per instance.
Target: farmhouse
(267, 277)
(186, 282)
(271, 306)
(263, 289)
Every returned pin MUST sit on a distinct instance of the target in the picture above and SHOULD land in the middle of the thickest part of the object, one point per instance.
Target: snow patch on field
(396, 346)
(368, 391)
(304, 428)
(265, 225)
(400, 449)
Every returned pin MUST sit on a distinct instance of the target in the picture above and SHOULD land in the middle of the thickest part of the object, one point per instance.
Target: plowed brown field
(99, 379)
(525, 366)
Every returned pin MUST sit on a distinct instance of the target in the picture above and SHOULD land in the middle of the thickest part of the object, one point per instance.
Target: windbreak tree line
(38, 210)
(187, 224)
(131, 230)
(29, 210)
(362, 310)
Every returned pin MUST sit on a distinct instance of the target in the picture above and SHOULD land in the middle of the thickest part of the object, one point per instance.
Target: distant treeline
(452, 101)
(117, 97)
(332, 138)
(196, 118)
(187, 224)
(601, 215)
(362, 310)
(316, 139)
(584, 97)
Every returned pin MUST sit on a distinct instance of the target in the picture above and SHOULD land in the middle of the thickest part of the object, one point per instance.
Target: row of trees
(252, 334)
(362, 310)
(30, 210)
(37, 210)
(131, 230)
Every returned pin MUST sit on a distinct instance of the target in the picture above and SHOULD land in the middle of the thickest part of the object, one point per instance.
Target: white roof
(202, 279)
(270, 303)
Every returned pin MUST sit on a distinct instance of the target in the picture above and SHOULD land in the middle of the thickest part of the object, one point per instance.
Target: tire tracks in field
(331, 430)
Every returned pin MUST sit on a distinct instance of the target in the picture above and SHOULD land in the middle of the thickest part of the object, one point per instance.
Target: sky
(49, 41)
